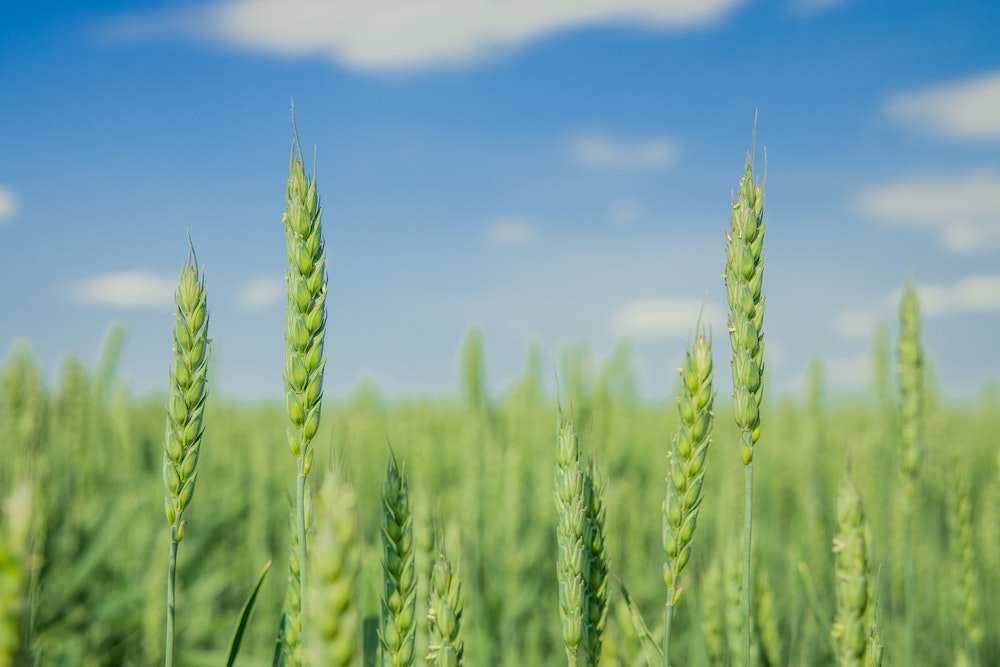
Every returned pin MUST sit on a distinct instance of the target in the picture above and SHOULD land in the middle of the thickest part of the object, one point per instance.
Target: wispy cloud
(406, 34)
(125, 289)
(963, 210)
(648, 319)
(973, 294)
(8, 205)
(511, 232)
(593, 150)
(261, 293)
(962, 110)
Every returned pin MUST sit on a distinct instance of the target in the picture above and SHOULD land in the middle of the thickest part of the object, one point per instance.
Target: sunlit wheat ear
(185, 413)
(572, 559)
(188, 390)
(304, 338)
(687, 465)
(333, 615)
(306, 315)
(850, 548)
(446, 646)
(687, 471)
(744, 280)
(399, 596)
(911, 384)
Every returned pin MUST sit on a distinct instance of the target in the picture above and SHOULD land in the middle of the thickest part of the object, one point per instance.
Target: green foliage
(98, 569)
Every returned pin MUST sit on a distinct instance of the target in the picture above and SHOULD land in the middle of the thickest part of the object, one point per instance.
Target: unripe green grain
(446, 646)
(185, 413)
(744, 278)
(687, 471)
(911, 384)
(850, 548)
(963, 558)
(911, 415)
(305, 333)
(332, 610)
(399, 599)
(571, 504)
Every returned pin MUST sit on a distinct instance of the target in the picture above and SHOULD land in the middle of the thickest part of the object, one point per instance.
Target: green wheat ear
(446, 646)
(304, 363)
(399, 599)
(188, 390)
(185, 413)
(687, 471)
(744, 281)
(850, 547)
(306, 315)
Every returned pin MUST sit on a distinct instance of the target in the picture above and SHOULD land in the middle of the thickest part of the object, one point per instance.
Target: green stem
(747, 527)
(909, 584)
(168, 659)
(668, 619)
(300, 524)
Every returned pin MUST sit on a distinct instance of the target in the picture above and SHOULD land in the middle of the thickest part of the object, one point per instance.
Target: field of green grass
(84, 541)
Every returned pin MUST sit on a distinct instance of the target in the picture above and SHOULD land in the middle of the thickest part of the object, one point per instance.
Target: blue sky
(552, 171)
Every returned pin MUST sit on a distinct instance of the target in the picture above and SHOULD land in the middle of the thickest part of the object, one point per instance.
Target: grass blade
(248, 607)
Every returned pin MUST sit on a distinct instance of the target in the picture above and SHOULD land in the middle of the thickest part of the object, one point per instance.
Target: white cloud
(972, 294)
(8, 205)
(648, 319)
(963, 110)
(126, 289)
(407, 34)
(511, 232)
(623, 211)
(260, 293)
(593, 150)
(963, 210)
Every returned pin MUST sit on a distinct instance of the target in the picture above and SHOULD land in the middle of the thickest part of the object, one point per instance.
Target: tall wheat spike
(305, 362)
(687, 472)
(185, 413)
(744, 280)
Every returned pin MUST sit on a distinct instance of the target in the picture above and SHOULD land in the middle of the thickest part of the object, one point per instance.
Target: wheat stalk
(185, 412)
(744, 280)
(304, 338)
(399, 599)
(687, 472)
(911, 394)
